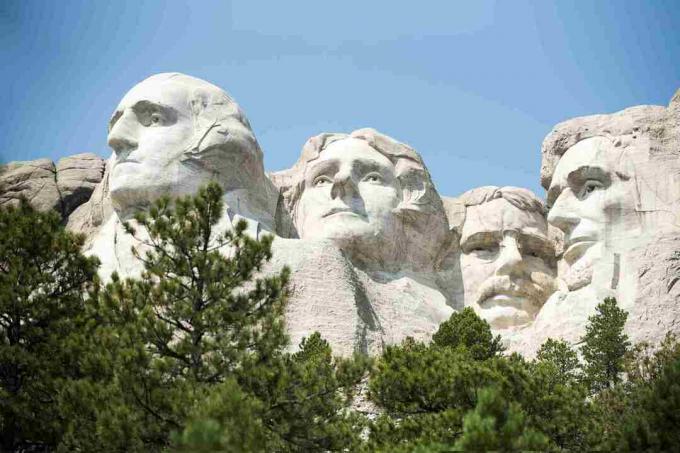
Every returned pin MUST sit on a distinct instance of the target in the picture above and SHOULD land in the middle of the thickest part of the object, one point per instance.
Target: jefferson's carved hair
(419, 197)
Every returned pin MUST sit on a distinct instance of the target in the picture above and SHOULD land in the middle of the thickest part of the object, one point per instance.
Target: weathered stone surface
(370, 195)
(614, 190)
(171, 134)
(355, 310)
(77, 176)
(507, 259)
(35, 180)
(62, 187)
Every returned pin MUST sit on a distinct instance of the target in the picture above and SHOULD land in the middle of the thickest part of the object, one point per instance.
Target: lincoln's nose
(563, 213)
(123, 135)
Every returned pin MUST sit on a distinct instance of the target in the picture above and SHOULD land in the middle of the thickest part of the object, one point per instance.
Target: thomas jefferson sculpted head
(172, 133)
(372, 197)
(507, 259)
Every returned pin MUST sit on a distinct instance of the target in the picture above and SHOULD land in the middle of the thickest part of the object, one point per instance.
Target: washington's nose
(563, 213)
(123, 135)
(510, 258)
(343, 185)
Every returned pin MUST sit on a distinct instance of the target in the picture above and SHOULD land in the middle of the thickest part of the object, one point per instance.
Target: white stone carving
(613, 186)
(507, 259)
(371, 196)
(372, 232)
(376, 253)
(171, 134)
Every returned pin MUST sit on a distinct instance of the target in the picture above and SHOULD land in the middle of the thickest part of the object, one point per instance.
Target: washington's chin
(131, 191)
(504, 311)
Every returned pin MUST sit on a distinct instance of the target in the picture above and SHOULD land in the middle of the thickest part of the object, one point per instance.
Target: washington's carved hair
(419, 197)
(219, 127)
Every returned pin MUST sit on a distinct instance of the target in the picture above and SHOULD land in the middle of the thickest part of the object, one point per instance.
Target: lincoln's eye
(589, 187)
(322, 181)
(156, 118)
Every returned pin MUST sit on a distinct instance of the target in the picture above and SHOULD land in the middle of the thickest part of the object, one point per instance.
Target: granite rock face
(376, 254)
(62, 187)
(613, 186)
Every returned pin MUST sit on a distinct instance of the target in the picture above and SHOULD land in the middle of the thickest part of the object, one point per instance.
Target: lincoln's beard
(580, 273)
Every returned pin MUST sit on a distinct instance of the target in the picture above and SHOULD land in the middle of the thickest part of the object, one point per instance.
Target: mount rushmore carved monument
(376, 253)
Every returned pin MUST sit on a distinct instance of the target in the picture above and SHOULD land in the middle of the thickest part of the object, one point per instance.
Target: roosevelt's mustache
(522, 288)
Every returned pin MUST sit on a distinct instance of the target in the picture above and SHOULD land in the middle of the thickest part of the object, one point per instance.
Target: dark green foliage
(192, 356)
(466, 330)
(498, 425)
(605, 346)
(427, 390)
(559, 354)
(644, 413)
(201, 326)
(415, 378)
(226, 420)
(43, 279)
(196, 317)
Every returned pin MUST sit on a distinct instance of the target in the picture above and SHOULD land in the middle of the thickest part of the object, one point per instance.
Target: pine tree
(198, 316)
(496, 425)
(562, 357)
(468, 331)
(427, 390)
(43, 282)
(605, 345)
(644, 412)
(200, 334)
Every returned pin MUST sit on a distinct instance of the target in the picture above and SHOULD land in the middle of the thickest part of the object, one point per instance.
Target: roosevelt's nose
(123, 135)
(343, 185)
(509, 260)
(564, 213)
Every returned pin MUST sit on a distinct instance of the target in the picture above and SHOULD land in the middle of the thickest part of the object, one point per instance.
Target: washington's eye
(589, 187)
(150, 114)
(322, 181)
(373, 178)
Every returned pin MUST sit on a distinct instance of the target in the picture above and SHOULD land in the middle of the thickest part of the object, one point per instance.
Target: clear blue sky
(474, 86)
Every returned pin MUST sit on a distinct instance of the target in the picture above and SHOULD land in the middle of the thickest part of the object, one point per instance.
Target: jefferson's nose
(564, 213)
(123, 135)
(510, 258)
(343, 185)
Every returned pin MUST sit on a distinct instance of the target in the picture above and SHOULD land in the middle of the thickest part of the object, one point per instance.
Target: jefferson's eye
(373, 178)
(322, 181)
(589, 187)
(156, 118)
